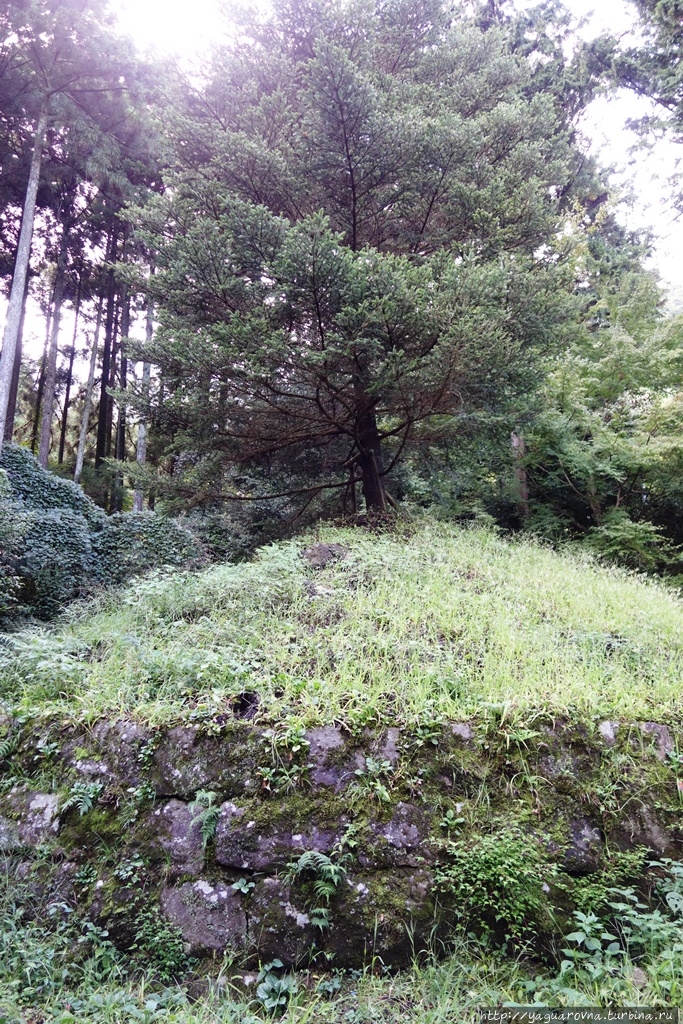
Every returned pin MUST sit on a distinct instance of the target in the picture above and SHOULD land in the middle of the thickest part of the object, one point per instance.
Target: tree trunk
(112, 381)
(518, 450)
(370, 462)
(53, 351)
(41, 376)
(14, 386)
(120, 449)
(141, 453)
(69, 374)
(16, 299)
(106, 355)
(88, 396)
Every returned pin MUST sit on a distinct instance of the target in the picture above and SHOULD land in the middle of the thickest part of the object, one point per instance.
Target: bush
(56, 544)
(57, 561)
(495, 885)
(135, 542)
(639, 545)
(43, 491)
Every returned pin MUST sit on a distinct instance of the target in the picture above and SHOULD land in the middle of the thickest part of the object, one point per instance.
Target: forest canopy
(360, 259)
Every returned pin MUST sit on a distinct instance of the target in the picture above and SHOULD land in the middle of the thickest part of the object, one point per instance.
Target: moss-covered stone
(382, 804)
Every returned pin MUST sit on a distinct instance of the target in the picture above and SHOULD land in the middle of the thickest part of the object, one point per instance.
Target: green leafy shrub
(639, 545)
(57, 561)
(56, 544)
(44, 491)
(494, 884)
(158, 945)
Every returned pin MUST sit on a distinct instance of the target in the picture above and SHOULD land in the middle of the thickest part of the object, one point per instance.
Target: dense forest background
(360, 261)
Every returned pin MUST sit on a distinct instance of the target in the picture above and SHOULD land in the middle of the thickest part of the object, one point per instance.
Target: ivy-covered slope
(56, 544)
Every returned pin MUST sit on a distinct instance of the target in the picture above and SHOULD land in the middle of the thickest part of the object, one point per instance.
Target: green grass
(432, 993)
(429, 616)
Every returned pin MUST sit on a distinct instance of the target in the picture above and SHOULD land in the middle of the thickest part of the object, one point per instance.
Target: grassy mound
(429, 616)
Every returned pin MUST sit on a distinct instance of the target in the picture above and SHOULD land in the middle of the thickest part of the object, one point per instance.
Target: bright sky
(189, 28)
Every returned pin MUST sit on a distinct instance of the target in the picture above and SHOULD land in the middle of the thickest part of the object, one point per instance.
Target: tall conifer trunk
(120, 449)
(53, 351)
(80, 454)
(16, 301)
(112, 381)
(141, 453)
(41, 375)
(14, 386)
(370, 462)
(101, 446)
(69, 373)
(368, 442)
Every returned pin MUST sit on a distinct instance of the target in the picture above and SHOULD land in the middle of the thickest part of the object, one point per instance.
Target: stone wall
(207, 825)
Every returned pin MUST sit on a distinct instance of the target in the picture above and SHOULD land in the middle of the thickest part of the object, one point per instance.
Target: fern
(327, 875)
(82, 796)
(320, 917)
(206, 812)
(9, 746)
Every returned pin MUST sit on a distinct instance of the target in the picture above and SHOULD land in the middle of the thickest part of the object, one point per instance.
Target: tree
(16, 303)
(360, 241)
(72, 72)
(654, 68)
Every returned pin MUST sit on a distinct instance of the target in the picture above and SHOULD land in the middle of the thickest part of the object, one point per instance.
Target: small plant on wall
(494, 884)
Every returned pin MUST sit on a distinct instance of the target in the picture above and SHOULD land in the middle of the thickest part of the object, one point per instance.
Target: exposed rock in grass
(320, 555)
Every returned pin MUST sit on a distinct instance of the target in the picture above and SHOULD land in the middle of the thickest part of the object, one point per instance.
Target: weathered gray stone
(585, 849)
(278, 925)
(663, 743)
(240, 844)
(120, 744)
(462, 730)
(179, 770)
(209, 915)
(37, 815)
(389, 749)
(608, 731)
(388, 915)
(324, 740)
(90, 768)
(176, 833)
(320, 555)
(403, 831)
(187, 760)
(9, 836)
(561, 770)
(640, 828)
(400, 842)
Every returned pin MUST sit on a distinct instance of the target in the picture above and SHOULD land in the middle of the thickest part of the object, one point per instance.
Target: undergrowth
(427, 616)
(70, 974)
